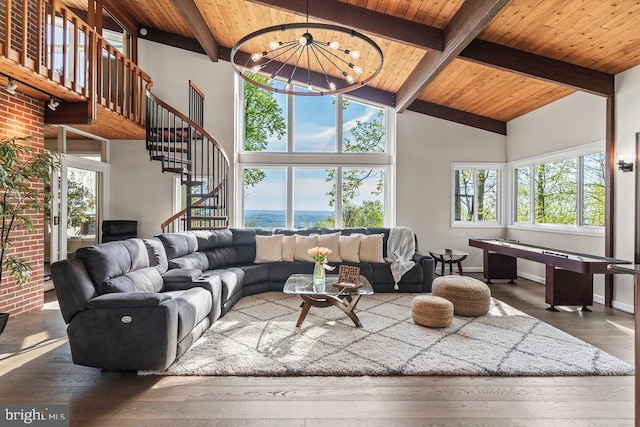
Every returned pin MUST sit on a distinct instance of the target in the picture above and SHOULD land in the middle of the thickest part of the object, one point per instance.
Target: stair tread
(170, 160)
(205, 207)
(213, 227)
(192, 183)
(182, 171)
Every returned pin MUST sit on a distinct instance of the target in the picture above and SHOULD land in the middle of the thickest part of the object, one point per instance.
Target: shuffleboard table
(568, 277)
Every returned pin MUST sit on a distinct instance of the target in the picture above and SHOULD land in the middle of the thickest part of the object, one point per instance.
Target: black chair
(119, 230)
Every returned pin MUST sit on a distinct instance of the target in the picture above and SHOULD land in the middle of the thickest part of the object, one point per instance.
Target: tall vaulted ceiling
(487, 61)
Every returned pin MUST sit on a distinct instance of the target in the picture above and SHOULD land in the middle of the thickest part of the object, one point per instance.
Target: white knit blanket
(400, 249)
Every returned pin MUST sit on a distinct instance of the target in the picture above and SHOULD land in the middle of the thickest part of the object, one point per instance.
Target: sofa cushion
(178, 244)
(193, 306)
(157, 254)
(143, 280)
(349, 248)
(243, 236)
(232, 280)
(371, 248)
(197, 260)
(385, 237)
(331, 241)
(303, 244)
(288, 248)
(113, 259)
(268, 249)
(222, 257)
(213, 239)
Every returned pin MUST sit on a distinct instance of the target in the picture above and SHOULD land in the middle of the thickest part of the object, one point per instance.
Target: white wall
(627, 125)
(426, 147)
(140, 190)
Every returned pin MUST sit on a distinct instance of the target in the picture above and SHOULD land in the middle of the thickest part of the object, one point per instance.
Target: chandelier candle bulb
(304, 64)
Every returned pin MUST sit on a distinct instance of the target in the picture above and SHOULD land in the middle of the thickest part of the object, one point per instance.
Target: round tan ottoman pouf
(434, 312)
(470, 297)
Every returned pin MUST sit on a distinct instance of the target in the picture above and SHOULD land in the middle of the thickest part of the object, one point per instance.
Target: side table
(448, 256)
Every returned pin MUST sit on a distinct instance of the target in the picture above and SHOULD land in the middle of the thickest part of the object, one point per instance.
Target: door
(82, 199)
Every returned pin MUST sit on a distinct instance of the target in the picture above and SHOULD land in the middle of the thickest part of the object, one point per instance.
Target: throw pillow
(371, 248)
(288, 248)
(268, 248)
(331, 241)
(349, 248)
(303, 244)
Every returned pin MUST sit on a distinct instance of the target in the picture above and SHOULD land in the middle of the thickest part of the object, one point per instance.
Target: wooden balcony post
(7, 29)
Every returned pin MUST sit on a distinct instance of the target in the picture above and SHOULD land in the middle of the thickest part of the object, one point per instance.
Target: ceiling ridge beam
(373, 23)
(469, 20)
(199, 27)
(540, 67)
(459, 116)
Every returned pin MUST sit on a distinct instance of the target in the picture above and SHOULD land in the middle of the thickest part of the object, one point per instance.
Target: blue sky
(315, 131)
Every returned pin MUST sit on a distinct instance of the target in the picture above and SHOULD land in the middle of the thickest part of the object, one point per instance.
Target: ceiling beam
(365, 93)
(199, 27)
(119, 11)
(540, 67)
(469, 20)
(365, 20)
(459, 116)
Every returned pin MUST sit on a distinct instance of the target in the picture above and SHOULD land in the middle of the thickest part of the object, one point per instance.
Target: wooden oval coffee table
(329, 295)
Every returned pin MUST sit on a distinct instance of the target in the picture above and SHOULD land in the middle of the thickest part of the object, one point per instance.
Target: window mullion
(339, 123)
(532, 194)
(290, 196)
(290, 122)
(580, 192)
(475, 196)
(338, 197)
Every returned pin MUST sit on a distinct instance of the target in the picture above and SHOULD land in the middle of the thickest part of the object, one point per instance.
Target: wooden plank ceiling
(537, 52)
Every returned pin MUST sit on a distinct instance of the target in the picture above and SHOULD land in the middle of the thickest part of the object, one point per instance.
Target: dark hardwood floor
(35, 367)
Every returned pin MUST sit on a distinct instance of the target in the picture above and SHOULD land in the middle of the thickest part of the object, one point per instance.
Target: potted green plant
(20, 166)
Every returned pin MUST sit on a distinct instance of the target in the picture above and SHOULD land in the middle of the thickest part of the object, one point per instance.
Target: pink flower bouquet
(319, 254)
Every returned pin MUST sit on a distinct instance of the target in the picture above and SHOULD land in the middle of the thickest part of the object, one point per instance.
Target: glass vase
(318, 277)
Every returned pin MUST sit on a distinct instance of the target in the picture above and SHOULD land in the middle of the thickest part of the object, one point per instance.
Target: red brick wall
(24, 116)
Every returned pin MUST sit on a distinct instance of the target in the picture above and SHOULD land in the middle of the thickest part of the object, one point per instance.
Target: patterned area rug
(258, 338)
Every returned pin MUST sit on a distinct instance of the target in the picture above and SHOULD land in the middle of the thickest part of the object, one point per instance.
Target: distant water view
(272, 219)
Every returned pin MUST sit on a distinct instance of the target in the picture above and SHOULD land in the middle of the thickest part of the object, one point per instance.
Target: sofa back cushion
(109, 265)
(179, 244)
(244, 242)
(213, 239)
(144, 280)
(157, 254)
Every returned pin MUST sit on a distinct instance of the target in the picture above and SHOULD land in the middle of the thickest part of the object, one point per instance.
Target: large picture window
(312, 161)
(562, 190)
(476, 195)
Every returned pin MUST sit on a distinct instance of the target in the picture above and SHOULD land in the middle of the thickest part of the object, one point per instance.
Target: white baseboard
(627, 308)
(533, 278)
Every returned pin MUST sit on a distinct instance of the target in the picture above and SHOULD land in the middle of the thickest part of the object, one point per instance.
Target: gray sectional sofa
(141, 303)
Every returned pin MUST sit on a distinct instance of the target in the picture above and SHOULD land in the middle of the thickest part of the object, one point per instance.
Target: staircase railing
(47, 38)
(185, 148)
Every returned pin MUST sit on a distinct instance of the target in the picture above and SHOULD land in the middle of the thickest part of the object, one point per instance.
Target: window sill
(559, 229)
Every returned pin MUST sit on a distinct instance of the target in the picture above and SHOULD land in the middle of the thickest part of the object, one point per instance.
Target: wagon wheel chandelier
(307, 59)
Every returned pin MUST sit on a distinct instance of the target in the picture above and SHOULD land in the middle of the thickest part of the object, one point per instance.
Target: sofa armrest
(180, 275)
(126, 331)
(428, 269)
(127, 300)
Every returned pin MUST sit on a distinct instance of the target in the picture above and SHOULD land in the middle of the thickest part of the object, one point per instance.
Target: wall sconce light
(11, 86)
(53, 103)
(625, 167)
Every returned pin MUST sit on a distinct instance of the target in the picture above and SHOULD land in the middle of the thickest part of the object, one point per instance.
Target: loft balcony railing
(48, 39)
